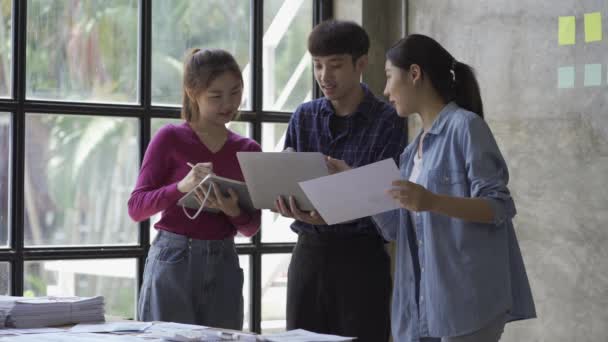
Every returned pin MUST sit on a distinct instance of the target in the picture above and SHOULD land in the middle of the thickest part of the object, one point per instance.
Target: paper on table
(67, 337)
(355, 193)
(30, 331)
(174, 327)
(300, 335)
(111, 327)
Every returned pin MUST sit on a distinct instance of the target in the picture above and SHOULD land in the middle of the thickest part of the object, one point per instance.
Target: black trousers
(340, 285)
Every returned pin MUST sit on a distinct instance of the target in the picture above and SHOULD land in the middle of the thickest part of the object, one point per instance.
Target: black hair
(453, 80)
(334, 37)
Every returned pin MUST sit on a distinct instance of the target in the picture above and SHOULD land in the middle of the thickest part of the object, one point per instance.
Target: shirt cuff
(502, 210)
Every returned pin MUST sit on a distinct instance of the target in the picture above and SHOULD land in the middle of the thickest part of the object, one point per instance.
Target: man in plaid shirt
(339, 278)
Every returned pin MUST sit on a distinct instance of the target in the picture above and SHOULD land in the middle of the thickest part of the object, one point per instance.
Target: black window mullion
(17, 222)
(322, 10)
(74, 253)
(257, 34)
(79, 108)
(145, 92)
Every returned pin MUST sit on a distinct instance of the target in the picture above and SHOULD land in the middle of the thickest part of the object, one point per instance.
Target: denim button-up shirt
(453, 277)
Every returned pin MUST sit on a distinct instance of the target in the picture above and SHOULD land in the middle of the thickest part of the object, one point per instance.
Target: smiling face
(401, 89)
(337, 75)
(219, 103)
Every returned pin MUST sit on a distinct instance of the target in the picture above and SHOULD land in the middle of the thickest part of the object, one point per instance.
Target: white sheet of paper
(174, 327)
(300, 335)
(355, 193)
(111, 327)
(67, 337)
(31, 331)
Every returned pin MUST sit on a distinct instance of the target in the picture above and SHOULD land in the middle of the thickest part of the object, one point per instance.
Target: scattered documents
(70, 337)
(355, 193)
(177, 332)
(300, 335)
(173, 327)
(111, 327)
(209, 335)
(4, 332)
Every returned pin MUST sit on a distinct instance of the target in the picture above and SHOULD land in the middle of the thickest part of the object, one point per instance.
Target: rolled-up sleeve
(486, 169)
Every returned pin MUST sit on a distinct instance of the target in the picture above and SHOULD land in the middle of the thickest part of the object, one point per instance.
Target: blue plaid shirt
(373, 132)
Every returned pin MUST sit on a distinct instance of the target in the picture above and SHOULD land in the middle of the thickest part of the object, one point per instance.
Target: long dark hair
(453, 80)
(201, 67)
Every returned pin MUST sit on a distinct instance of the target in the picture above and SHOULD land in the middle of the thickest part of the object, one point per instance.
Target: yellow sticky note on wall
(593, 27)
(567, 30)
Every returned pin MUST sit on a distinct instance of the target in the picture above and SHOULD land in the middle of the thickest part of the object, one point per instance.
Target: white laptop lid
(272, 174)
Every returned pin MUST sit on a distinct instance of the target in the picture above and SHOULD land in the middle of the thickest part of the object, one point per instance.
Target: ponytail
(466, 89)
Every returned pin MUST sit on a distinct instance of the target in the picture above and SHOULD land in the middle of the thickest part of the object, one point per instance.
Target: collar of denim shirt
(441, 119)
(436, 129)
(364, 109)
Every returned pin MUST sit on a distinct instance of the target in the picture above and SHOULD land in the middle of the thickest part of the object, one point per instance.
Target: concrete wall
(374, 16)
(554, 140)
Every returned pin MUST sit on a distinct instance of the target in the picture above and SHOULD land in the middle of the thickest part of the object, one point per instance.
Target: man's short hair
(336, 37)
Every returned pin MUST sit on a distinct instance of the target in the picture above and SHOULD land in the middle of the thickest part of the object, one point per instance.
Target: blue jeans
(192, 281)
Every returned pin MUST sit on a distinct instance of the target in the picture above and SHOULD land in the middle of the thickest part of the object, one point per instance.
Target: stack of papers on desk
(22, 312)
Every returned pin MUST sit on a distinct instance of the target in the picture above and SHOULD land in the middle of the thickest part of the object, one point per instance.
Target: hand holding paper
(336, 165)
(411, 196)
(355, 193)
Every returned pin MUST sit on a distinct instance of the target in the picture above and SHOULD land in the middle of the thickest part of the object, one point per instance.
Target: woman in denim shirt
(459, 272)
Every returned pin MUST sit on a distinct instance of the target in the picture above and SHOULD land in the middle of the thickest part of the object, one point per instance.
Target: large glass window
(274, 291)
(79, 172)
(92, 84)
(287, 64)
(5, 181)
(83, 50)
(114, 279)
(180, 25)
(6, 48)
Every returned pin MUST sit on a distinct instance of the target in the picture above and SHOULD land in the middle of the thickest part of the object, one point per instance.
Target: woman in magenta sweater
(192, 273)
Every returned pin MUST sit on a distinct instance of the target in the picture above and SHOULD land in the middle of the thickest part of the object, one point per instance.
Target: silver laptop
(272, 174)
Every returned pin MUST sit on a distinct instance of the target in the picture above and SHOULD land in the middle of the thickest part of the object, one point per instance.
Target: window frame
(17, 106)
